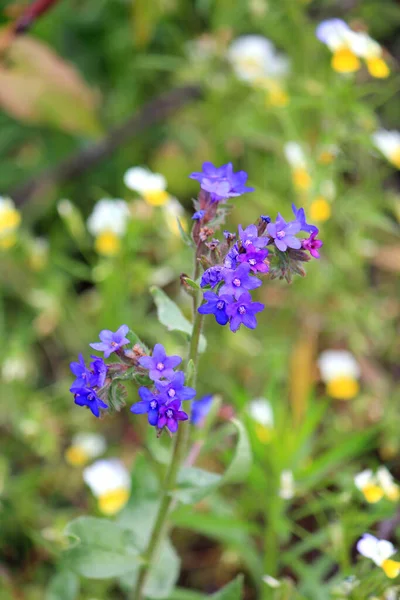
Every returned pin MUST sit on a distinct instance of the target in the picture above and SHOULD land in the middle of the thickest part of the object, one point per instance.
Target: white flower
(377, 550)
(151, 186)
(388, 142)
(287, 486)
(338, 363)
(15, 368)
(335, 33)
(387, 483)
(271, 581)
(295, 155)
(173, 210)
(260, 410)
(254, 57)
(110, 482)
(10, 219)
(109, 215)
(368, 484)
(85, 447)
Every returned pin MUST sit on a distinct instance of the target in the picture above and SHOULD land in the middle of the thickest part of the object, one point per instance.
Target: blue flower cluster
(162, 402)
(221, 182)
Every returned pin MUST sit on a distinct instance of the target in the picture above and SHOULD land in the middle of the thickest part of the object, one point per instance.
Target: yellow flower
(320, 210)
(327, 154)
(297, 160)
(301, 179)
(276, 95)
(173, 211)
(10, 220)
(109, 481)
(388, 142)
(380, 552)
(107, 243)
(84, 447)
(340, 372)
(260, 411)
(345, 61)
(367, 483)
(387, 483)
(108, 223)
(377, 68)
(151, 186)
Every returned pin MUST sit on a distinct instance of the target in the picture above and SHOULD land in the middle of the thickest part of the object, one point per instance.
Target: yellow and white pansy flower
(256, 61)
(287, 487)
(298, 163)
(150, 186)
(386, 481)
(379, 551)
(173, 210)
(108, 223)
(320, 208)
(368, 484)
(10, 220)
(340, 372)
(260, 411)
(388, 142)
(84, 448)
(348, 46)
(110, 482)
(327, 154)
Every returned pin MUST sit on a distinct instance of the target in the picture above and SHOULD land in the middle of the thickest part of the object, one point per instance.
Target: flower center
(171, 393)
(247, 243)
(236, 282)
(153, 404)
(280, 235)
(169, 413)
(160, 366)
(220, 305)
(242, 310)
(252, 262)
(90, 397)
(113, 344)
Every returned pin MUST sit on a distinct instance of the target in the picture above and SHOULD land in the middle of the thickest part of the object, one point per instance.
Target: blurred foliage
(88, 66)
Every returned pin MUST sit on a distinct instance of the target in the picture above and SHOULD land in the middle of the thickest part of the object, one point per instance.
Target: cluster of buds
(232, 266)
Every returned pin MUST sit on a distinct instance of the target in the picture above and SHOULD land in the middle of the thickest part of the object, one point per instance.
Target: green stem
(181, 439)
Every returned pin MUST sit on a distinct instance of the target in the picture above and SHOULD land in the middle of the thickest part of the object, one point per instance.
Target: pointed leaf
(232, 591)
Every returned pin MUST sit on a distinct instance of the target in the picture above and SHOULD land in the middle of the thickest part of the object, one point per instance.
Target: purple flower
(283, 233)
(81, 372)
(88, 397)
(243, 311)
(212, 276)
(239, 281)
(149, 404)
(159, 364)
(170, 414)
(174, 389)
(222, 182)
(265, 218)
(200, 409)
(312, 245)
(255, 257)
(300, 217)
(250, 236)
(98, 372)
(110, 341)
(231, 259)
(215, 305)
(198, 215)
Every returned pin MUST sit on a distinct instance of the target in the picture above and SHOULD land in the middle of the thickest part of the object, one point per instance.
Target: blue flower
(231, 259)
(255, 257)
(222, 182)
(243, 312)
(81, 372)
(198, 215)
(239, 281)
(215, 305)
(200, 409)
(265, 219)
(250, 236)
(149, 404)
(212, 276)
(300, 217)
(98, 372)
(88, 397)
(283, 233)
(159, 364)
(175, 389)
(110, 341)
(169, 416)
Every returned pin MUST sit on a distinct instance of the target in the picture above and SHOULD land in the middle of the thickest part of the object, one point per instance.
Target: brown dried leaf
(388, 258)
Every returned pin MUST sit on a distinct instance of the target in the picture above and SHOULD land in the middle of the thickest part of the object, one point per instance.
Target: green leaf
(232, 591)
(170, 315)
(101, 548)
(192, 284)
(116, 396)
(185, 236)
(195, 484)
(63, 586)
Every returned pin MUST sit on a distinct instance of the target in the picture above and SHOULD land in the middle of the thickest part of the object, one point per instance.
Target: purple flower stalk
(88, 397)
(149, 404)
(169, 415)
(239, 281)
(110, 341)
(255, 257)
(212, 276)
(159, 364)
(200, 409)
(175, 389)
(283, 233)
(300, 217)
(250, 236)
(221, 182)
(215, 305)
(243, 312)
(312, 245)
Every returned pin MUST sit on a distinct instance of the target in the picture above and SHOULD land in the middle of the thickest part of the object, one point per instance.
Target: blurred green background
(86, 67)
